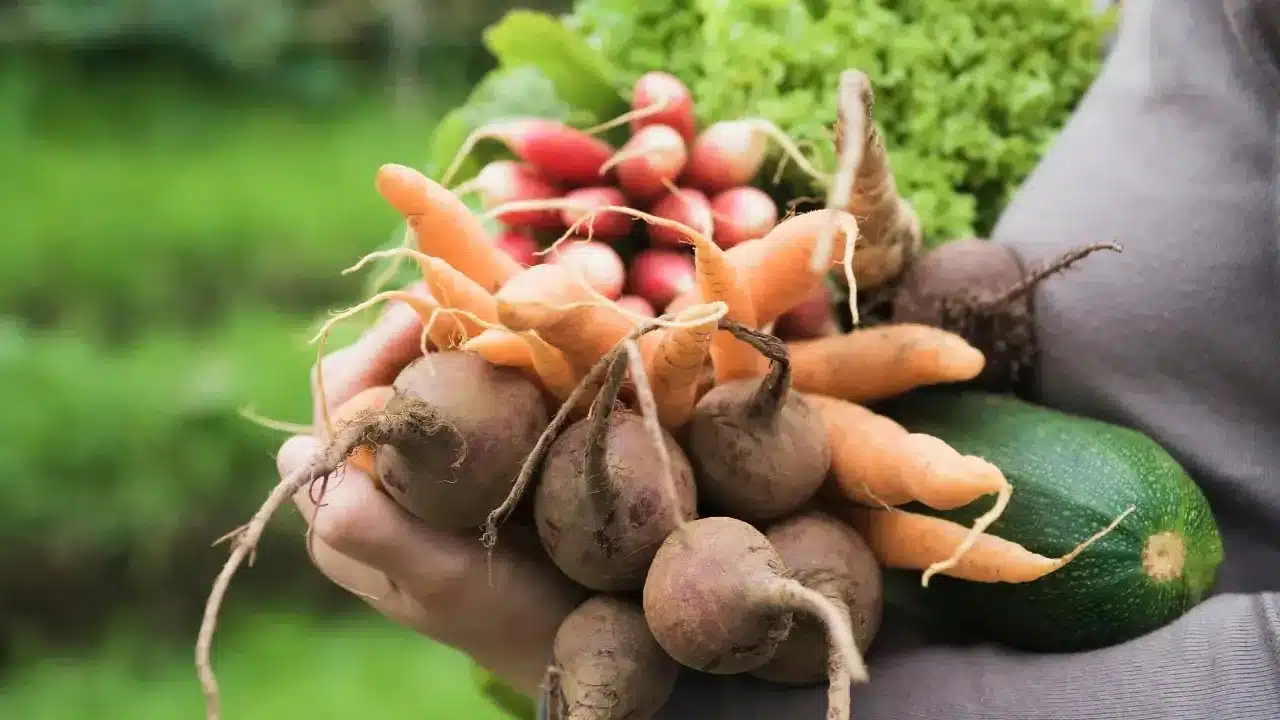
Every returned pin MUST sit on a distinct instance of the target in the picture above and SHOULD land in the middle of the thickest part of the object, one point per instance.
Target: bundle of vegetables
(729, 498)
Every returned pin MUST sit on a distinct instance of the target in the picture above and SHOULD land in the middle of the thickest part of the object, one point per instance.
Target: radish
(655, 88)
(599, 263)
(731, 153)
(687, 207)
(504, 181)
(606, 225)
(637, 305)
(653, 157)
(660, 275)
(519, 246)
(742, 213)
(727, 154)
(561, 153)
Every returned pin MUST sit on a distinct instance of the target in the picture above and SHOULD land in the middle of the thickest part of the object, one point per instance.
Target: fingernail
(295, 452)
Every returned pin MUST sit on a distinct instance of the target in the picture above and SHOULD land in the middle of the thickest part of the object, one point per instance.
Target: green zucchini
(1071, 476)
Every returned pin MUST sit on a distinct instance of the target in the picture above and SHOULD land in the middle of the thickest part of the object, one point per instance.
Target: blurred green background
(181, 183)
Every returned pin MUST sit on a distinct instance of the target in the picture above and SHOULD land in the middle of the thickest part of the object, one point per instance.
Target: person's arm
(1219, 662)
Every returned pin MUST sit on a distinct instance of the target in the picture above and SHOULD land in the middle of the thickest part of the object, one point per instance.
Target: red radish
(742, 213)
(519, 246)
(660, 275)
(638, 305)
(657, 87)
(606, 225)
(504, 181)
(653, 157)
(725, 155)
(686, 206)
(812, 318)
(599, 263)
(559, 152)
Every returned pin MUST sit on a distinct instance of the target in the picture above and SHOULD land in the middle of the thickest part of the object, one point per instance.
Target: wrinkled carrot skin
(444, 226)
(676, 368)
(454, 290)
(445, 331)
(775, 269)
(877, 363)
(911, 541)
(372, 398)
(718, 280)
(877, 462)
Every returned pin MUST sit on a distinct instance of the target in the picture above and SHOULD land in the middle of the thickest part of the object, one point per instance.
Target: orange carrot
(677, 365)
(875, 461)
(912, 541)
(551, 366)
(877, 363)
(776, 269)
(456, 291)
(535, 285)
(444, 226)
(584, 332)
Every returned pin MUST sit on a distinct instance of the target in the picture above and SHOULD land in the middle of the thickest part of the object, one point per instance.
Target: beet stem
(1064, 261)
(845, 663)
(649, 413)
(594, 467)
(534, 462)
(772, 392)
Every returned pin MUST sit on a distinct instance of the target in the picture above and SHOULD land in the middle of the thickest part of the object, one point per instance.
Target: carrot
(651, 159)
(775, 270)
(888, 226)
(742, 213)
(672, 102)
(677, 365)
(730, 153)
(584, 332)
(535, 287)
(876, 461)
(685, 206)
(560, 153)
(444, 226)
(604, 226)
(912, 541)
(551, 366)
(504, 181)
(813, 318)
(877, 363)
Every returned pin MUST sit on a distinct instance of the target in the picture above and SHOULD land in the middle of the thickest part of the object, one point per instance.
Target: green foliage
(272, 665)
(544, 70)
(150, 200)
(967, 94)
(124, 447)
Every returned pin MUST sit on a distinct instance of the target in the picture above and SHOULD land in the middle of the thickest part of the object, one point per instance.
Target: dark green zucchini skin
(1071, 476)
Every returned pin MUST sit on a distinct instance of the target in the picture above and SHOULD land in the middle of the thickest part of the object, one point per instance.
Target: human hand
(438, 584)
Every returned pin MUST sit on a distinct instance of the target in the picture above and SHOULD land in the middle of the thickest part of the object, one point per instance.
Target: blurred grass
(273, 665)
(151, 200)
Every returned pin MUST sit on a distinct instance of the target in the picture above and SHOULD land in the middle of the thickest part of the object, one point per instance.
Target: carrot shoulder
(882, 362)
(444, 226)
(878, 462)
(776, 269)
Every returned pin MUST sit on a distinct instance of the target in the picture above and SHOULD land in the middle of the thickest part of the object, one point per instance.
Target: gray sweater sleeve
(1219, 662)
(1173, 153)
